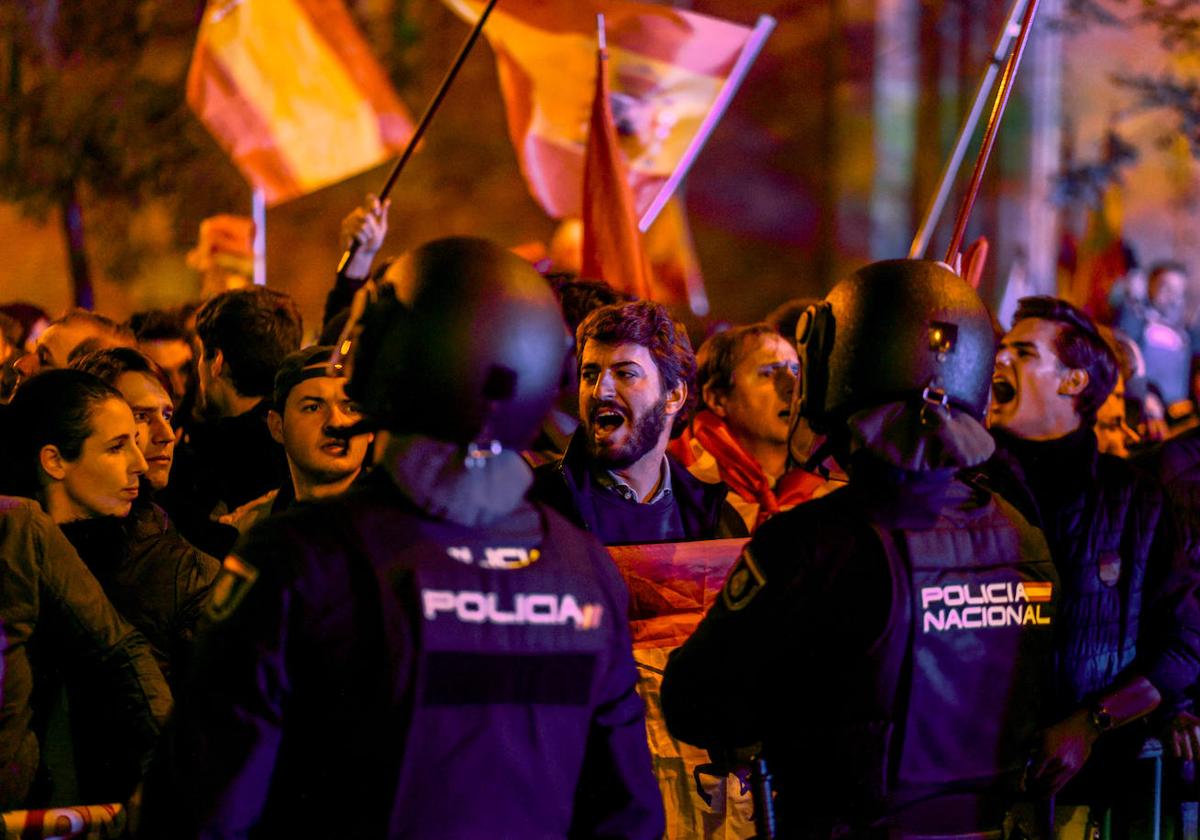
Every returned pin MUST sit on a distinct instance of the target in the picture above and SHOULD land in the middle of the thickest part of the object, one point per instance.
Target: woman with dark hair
(72, 446)
(155, 578)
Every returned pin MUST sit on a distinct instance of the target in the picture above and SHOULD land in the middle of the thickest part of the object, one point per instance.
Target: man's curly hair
(649, 325)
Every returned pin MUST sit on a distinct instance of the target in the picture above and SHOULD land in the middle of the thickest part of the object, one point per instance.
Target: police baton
(764, 800)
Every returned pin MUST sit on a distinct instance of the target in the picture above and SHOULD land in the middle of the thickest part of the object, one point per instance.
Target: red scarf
(740, 472)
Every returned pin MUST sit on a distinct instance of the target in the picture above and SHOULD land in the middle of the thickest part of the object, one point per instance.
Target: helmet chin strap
(933, 398)
(500, 386)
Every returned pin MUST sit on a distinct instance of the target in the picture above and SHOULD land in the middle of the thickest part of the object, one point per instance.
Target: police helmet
(893, 331)
(465, 344)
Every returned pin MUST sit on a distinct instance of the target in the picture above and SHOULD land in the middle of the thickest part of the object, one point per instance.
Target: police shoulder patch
(230, 588)
(744, 582)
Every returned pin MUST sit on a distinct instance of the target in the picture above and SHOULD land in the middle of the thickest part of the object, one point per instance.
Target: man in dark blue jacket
(637, 375)
(1129, 635)
(429, 655)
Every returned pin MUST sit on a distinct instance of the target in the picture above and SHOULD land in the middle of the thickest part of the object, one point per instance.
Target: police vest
(956, 686)
(513, 642)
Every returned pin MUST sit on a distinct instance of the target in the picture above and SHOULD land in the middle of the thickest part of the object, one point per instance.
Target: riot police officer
(430, 655)
(887, 644)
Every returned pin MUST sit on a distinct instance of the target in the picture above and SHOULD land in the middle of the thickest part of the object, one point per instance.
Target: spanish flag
(1038, 591)
(612, 245)
(290, 89)
(667, 69)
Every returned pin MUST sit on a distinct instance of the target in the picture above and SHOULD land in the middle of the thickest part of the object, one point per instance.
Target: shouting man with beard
(636, 387)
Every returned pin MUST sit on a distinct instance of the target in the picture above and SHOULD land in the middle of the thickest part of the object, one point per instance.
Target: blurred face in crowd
(1033, 393)
(35, 332)
(103, 480)
(624, 406)
(758, 405)
(318, 458)
(175, 357)
(1113, 435)
(152, 412)
(54, 346)
(1167, 294)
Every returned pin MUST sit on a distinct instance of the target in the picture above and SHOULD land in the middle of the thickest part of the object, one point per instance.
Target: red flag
(675, 275)
(1101, 257)
(612, 245)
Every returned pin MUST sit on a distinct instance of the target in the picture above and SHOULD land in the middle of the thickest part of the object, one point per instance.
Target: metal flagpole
(258, 203)
(989, 135)
(426, 118)
(762, 29)
(999, 52)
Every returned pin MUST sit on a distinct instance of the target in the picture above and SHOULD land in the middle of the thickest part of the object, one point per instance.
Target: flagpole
(762, 29)
(426, 118)
(967, 130)
(258, 204)
(989, 135)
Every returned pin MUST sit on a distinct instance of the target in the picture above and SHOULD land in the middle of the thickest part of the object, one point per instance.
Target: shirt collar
(613, 483)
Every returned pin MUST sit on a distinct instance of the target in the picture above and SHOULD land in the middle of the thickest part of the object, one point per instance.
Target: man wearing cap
(430, 654)
(309, 408)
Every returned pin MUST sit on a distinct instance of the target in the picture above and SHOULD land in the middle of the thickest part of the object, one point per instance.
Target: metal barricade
(1152, 751)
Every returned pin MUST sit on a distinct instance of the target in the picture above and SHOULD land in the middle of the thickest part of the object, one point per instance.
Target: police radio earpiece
(814, 341)
(362, 351)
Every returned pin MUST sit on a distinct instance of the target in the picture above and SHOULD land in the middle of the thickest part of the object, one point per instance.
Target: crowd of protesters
(136, 455)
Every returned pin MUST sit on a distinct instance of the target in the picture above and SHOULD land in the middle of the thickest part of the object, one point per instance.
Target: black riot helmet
(466, 344)
(895, 330)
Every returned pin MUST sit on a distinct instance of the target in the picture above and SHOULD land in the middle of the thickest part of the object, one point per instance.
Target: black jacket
(155, 578)
(219, 466)
(1176, 465)
(1129, 594)
(567, 486)
(54, 614)
(159, 584)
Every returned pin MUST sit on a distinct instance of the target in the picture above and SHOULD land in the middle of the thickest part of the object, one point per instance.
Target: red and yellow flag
(290, 89)
(667, 69)
(675, 275)
(1101, 257)
(612, 245)
(671, 587)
